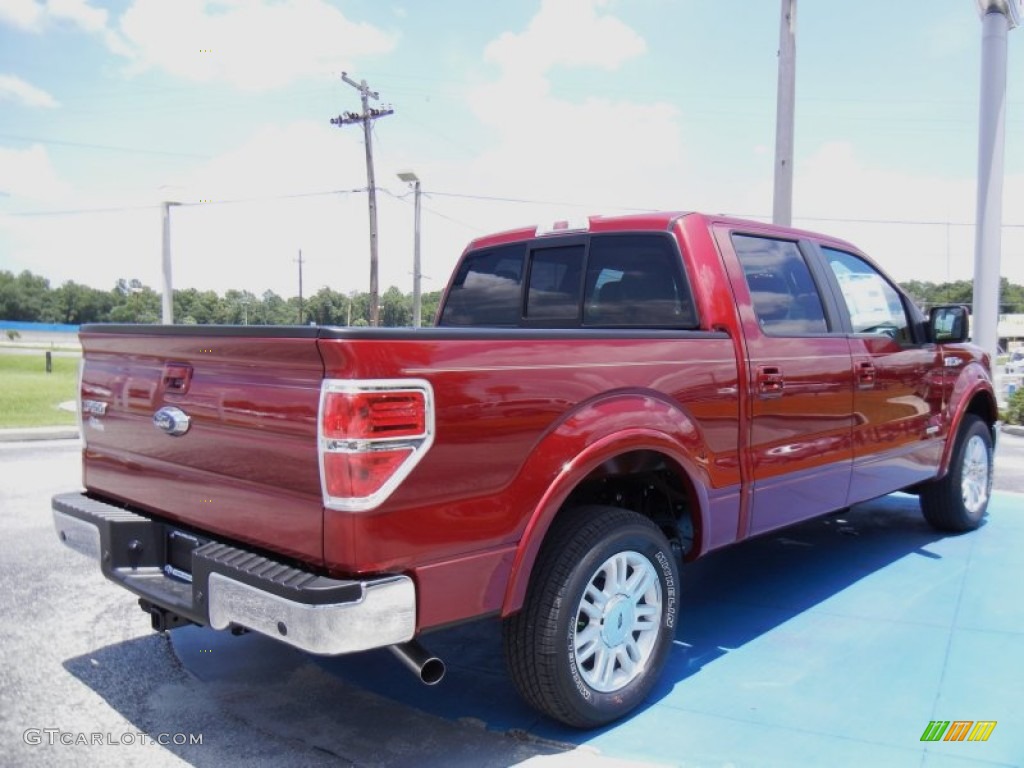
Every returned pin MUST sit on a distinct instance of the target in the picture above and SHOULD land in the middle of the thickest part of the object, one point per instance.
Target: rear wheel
(599, 617)
(957, 502)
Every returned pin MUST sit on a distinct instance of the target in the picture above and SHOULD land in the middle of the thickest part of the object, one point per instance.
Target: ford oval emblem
(171, 420)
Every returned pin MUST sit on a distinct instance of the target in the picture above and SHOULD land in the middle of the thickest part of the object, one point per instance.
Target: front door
(899, 383)
(800, 397)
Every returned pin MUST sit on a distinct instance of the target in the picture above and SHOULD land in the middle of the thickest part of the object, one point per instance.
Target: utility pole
(365, 117)
(300, 286)
(785, 108)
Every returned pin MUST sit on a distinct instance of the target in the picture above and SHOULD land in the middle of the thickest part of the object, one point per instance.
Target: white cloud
(570, 33)
(34, 15)
(251, 44)
(26, 14)
(14, 88)
(591, 150)
(29, 174)
(79, 13)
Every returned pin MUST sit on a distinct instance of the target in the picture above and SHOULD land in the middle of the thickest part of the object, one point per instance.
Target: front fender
(971, 386)
(590, 436)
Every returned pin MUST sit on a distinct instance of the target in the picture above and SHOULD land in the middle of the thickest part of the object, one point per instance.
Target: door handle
(176, 378)
(770, 381)
(866, 375)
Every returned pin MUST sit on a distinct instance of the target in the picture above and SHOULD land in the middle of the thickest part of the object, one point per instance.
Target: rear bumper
(233, 587)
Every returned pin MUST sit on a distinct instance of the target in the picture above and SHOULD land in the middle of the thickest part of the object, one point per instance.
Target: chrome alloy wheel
(618, 621)
(975, 475)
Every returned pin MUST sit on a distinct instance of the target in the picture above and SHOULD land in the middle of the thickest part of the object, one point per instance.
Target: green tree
(429, 302)
(25, 298)
(135, 303)
(195, 306)
(395, 308)
(275, 310)
(75, 304)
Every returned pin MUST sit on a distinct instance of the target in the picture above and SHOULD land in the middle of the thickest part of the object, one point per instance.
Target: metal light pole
(785, 108)
(168, 290)
(417, 300)
(997, 18)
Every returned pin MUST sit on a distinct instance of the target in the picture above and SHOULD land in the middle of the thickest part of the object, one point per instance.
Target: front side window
(874, 305)
(785, 297)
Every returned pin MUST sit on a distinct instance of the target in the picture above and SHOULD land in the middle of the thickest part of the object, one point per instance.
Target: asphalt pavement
(834, 642)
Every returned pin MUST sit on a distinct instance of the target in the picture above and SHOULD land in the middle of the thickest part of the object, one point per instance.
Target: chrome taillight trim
(418, 444)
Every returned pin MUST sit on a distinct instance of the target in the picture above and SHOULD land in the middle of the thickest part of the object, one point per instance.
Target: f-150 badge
(171, 420)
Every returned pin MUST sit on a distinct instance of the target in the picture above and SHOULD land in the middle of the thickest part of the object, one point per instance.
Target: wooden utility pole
(366, 117)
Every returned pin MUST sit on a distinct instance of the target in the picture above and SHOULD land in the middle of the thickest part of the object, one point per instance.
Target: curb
(38, 433)
(1013, 429)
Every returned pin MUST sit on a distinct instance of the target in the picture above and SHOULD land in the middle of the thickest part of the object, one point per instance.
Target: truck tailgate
(245, 467)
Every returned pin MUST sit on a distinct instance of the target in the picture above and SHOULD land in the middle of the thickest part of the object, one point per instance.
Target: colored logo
(959, 730)
(171, 420)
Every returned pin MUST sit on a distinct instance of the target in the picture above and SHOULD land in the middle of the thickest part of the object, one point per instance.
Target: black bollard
(49, 362)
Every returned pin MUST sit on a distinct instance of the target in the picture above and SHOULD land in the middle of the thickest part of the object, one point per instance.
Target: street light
(411, 178)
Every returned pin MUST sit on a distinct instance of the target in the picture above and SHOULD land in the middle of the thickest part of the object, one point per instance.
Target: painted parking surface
(835, 641)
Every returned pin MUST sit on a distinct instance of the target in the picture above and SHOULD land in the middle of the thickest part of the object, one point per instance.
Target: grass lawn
(29, 396)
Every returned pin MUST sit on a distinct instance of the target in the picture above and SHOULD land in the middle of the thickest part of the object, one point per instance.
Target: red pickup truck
(600, 402)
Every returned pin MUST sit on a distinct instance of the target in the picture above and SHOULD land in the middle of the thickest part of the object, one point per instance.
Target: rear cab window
(601, 280)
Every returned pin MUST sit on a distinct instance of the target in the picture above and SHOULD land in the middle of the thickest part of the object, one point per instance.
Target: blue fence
(16, 325)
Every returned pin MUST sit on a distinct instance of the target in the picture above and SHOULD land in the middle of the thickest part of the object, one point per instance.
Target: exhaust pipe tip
(427, 667)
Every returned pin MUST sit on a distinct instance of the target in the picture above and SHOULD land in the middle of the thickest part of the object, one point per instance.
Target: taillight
(369, 415)
(371, 435)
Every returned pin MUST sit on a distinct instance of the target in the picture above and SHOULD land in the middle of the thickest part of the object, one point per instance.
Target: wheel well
(984, 408)
(651, 484)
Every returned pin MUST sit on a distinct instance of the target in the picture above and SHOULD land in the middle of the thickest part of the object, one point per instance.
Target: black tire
(583, 657)
(957, 502)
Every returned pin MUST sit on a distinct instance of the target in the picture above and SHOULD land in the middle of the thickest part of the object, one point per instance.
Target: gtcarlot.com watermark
(58, 737)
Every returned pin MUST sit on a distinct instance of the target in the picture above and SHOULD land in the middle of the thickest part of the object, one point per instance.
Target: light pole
(785, 109)
(417, 301)
(998, 17)
(168, 296)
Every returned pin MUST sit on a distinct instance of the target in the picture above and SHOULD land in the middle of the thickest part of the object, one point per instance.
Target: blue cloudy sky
(554, 106)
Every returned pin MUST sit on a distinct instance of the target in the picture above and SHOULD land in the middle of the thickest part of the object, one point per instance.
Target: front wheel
(599, 617)
(957, 502)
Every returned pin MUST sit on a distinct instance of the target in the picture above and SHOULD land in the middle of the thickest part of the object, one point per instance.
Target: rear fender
(589, 437)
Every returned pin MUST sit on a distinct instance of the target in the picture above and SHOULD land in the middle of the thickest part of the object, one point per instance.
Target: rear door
(799, 374)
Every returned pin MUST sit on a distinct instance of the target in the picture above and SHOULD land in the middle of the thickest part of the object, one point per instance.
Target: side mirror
(948, 325)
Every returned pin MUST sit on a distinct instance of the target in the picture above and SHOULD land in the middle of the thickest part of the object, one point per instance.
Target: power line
(366, 117)
(197, 204)
(564, 204)
(105, 147)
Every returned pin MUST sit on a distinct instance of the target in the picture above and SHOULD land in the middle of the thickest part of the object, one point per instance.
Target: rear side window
(597, 281)
(487, 288)
(785, 297)
(555, 284)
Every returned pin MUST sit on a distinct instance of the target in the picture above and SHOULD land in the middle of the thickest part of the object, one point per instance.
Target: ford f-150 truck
(601, 401)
